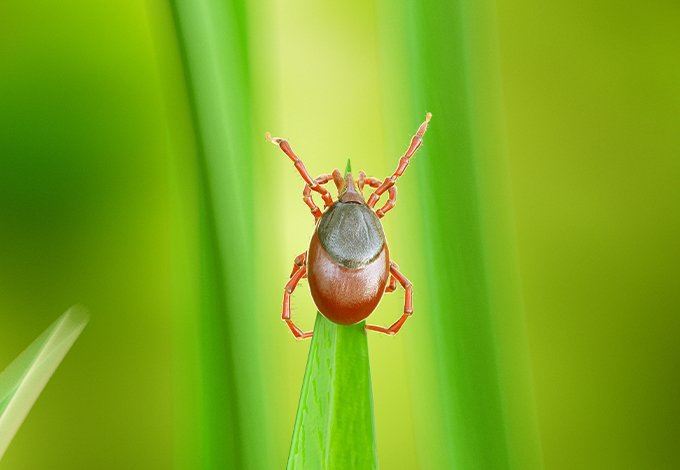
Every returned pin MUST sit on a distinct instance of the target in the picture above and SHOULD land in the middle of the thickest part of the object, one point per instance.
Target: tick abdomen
(348, 263)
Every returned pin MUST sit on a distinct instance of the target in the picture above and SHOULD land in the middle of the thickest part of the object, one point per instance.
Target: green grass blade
(334, 426)
(24, 379)
(213, 41)
(477, 322)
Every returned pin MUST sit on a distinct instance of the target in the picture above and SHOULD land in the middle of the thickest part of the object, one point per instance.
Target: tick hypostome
(348, 263)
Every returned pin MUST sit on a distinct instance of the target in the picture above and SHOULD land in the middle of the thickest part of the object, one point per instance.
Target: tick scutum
(351, 233)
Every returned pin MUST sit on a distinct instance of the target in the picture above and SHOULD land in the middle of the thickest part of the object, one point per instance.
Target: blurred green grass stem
(213, 41)
(477, 322)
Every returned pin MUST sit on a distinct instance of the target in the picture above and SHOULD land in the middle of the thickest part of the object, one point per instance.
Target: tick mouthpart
(349, 191)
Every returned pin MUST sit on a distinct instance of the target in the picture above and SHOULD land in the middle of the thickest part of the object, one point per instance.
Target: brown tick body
(348, 262)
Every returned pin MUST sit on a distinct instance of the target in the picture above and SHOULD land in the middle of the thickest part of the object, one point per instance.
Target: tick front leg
(408, 304)
(416, 142)
(300, 167)
(298, 274)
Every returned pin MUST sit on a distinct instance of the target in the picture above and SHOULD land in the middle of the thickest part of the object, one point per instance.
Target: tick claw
(273, 140)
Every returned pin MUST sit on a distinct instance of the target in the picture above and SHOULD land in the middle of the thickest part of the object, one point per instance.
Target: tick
(348, 263)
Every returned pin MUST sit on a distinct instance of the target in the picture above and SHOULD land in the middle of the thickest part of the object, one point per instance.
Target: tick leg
(376, 183)
(408, 304)
(416, 142)
(295, 277)
(391, 202)
(338, 179)
(300, 167)
(307, 194)
(299, 261)
(392, 285)
(364, 180)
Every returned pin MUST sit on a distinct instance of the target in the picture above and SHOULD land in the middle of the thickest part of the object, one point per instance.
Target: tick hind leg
(408, 304)
(392, 285)
(298, 262)
(299, 271)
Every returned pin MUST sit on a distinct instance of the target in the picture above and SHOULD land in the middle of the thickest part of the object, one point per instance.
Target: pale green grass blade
(334, 426)
(24, 379)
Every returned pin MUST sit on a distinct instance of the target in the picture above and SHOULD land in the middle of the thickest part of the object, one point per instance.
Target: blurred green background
(566, 113)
